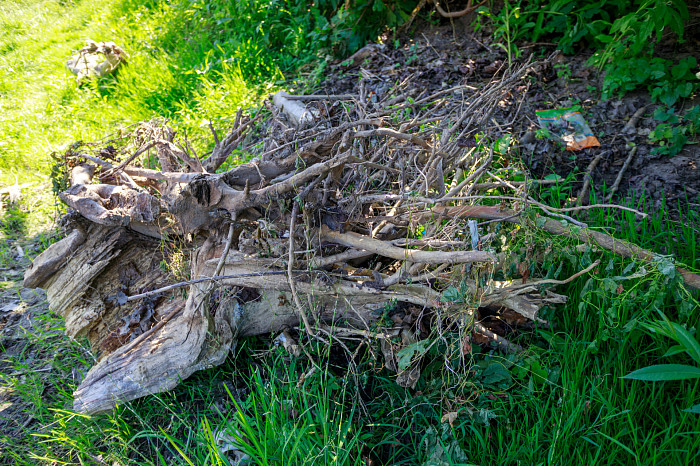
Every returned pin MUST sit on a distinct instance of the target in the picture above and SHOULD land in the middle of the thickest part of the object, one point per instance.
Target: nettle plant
(626, 298)
(674, 131)
(623, 32)
(666, 82)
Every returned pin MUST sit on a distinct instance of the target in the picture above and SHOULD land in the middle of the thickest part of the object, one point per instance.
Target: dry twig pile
(346, 204)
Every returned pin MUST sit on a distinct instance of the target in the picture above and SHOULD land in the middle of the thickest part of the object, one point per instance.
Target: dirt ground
(21, 312)
(450, 55)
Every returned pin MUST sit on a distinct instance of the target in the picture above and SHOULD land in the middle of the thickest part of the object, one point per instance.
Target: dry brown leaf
(524, 270)
(450, 417)
(466, 345)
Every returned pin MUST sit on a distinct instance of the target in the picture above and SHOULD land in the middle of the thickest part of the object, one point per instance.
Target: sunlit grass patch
(173, 71)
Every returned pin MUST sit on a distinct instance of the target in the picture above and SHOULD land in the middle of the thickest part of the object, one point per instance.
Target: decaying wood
(86, 273)
(95, 60)
(53, 259)
(112, 205)
(358, 185)
(353, 240)
(296, 112)
(222, 149)
(589, 236)
(618, 178)
(582, 199)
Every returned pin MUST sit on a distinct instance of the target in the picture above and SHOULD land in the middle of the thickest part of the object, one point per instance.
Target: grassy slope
(41, 107)
(588, 415)
(172, 71)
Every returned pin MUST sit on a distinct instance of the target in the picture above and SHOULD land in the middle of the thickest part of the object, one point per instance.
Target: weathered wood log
(586, 235)
(95, 60)
(354, 240)
(112, 205)
(207, 194)
(149, 345)
(53, 259)
(110, 278)
(85, 274)
(297, 113)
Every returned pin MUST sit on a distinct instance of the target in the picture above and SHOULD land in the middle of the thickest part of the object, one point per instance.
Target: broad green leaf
(685, 89)
(662, 372)
(684, 337)
(668, 99)
(665, 265)
(678, 333)
(662, 327)
(495, 373)
(693, 409)
(539, 372)
(672, 351)
(406, 354)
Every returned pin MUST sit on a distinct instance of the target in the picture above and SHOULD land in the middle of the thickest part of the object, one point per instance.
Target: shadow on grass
(13, 221)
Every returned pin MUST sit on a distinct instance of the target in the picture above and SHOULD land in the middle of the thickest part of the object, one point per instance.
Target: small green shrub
(674, 131)
(346, 30)
(623, 32)
(627, 57)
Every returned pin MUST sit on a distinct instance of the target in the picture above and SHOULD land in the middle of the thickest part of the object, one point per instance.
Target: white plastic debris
(297, 113)
(95, 60)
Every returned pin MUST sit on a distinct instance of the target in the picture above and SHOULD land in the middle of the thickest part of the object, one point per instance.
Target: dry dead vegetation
(347, 203)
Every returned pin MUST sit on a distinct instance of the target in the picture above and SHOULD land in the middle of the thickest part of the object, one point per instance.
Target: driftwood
(588, 236)
(296, 112)
(317, 229)
(112, 205)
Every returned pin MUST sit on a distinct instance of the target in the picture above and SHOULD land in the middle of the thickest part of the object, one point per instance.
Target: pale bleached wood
(52, 259)
(385, 248)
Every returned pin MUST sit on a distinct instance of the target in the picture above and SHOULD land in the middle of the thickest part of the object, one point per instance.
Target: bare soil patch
(440, 57)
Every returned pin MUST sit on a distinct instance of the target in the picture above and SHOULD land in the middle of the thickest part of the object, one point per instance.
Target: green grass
(189, 61)
(588, 416)
(27, 227)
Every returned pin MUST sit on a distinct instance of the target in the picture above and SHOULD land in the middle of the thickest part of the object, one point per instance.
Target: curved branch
(457, 14)
(386, 249)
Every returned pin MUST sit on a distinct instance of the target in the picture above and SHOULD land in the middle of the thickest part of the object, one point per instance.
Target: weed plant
(622, 33)
(674, 131)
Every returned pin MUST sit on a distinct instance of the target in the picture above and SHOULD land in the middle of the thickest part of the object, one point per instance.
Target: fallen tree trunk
(588, 236)
(150, 345)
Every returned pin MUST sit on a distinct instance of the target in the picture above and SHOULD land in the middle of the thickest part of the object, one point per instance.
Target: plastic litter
(96, 60)
(568, 126)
